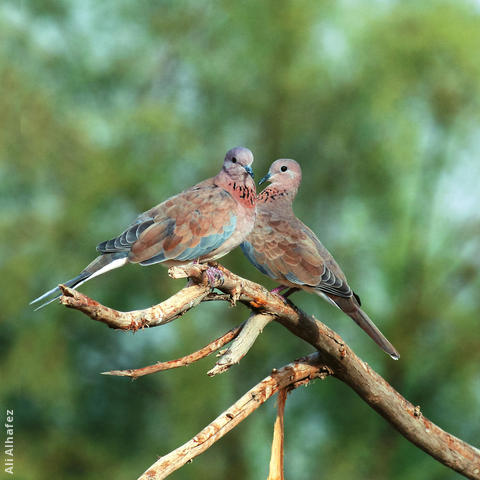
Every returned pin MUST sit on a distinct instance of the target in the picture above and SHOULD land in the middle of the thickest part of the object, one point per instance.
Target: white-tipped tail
(102, 264)
(119, 262)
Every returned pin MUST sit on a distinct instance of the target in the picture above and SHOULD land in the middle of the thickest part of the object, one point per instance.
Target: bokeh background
(107, 108)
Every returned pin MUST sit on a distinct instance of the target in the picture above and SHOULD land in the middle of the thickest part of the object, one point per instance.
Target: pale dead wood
(382, 397)
(276, 458)
(334, 353)
(236, 288)
(292, 375)
(180, 362)
(164, 312)
(252, 328)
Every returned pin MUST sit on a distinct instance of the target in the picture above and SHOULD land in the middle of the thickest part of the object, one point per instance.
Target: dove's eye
(283, 169)
(234, 160)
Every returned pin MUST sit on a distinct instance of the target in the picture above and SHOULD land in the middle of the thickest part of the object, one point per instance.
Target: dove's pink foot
(278, 290)
(214, 275)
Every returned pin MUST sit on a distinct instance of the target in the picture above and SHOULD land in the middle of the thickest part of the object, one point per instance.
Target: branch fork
(333, 357)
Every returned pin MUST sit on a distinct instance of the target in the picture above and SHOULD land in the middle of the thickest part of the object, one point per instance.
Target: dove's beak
(249, 170)
(265, 178)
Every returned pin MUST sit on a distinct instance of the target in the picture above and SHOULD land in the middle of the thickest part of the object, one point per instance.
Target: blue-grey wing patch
(249, 252)
(160, 257)
(124, 242)
(292, 278)
(206, 245)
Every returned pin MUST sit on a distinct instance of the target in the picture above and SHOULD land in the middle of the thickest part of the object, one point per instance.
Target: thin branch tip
(333, 357)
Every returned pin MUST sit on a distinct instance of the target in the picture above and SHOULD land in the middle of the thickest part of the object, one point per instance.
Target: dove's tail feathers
(56, 291)
(351, 306)
(364, 322)
(100, 265)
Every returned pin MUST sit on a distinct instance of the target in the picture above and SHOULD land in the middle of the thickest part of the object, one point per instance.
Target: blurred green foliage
(107, 108)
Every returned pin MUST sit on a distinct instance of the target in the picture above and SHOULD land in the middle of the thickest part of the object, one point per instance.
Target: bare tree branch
(180, 362)
(332, 351)
(292, 375)
(382, 397)
(276, 459)
(160, 314)
(241, 345)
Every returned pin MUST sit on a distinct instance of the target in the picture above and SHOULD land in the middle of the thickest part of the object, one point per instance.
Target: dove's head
(238, 163)
(285, 174)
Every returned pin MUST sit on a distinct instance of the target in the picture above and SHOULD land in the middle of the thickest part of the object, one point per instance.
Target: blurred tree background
(108, 108)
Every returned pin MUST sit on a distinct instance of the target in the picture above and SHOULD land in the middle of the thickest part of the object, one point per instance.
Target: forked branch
(290, 376)
(180, 362)
(332, 353)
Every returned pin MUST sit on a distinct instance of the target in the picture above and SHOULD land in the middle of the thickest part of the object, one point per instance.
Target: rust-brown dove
(285, 249)
(200, 224)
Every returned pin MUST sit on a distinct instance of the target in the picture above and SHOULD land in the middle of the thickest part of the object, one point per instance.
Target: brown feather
(293, 254)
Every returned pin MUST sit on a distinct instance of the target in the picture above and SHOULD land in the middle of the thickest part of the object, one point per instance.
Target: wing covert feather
(184, 227)
(289, 250)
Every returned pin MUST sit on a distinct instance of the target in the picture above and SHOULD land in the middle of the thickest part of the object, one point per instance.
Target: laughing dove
(285, 249)
(200, 224)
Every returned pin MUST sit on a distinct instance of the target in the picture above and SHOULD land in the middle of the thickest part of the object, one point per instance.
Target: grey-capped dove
(200, 224)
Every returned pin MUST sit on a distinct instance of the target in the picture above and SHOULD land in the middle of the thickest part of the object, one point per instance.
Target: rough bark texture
(292, 375)
(179, 362)
(252, 328)
(333, 355)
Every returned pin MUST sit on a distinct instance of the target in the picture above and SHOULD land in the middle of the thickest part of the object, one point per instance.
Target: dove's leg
(279, 289)
(214, 275)
(290, 291)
